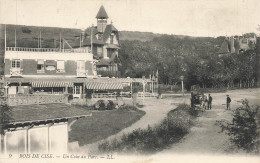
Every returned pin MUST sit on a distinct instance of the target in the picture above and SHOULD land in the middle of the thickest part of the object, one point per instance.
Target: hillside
(135, 35)
(27, 36)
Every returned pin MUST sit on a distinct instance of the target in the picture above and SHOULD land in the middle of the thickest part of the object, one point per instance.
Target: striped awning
(52, 84)
(104, 85)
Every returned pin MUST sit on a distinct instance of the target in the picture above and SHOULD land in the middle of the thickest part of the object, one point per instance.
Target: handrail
(78, 50)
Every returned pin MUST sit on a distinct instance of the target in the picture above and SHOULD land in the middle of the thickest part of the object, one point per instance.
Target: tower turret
(101, 19)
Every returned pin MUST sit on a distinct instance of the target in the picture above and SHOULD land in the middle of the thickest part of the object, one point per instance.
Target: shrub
(100, 105)
(153, 139)
(5, 117)
(70, 97)
(111, 105)
(127, 108)
(26, 30)
(139, 105)
(243, 130)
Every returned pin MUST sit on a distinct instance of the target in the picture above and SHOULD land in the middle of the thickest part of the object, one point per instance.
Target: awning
(52, 84)
(104, 85)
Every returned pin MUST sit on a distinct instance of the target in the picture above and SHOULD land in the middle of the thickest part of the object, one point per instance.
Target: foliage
(194, 58)
(100, 105)
(243, 131)
(153, 139)
(26, 30)
(5, 117)
(111, 105)
(127, 108)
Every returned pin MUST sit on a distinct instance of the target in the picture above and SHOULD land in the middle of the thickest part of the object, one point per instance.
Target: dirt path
(155, 110)
(205, 136)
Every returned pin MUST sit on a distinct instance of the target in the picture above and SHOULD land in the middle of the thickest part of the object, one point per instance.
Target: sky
(180, 17)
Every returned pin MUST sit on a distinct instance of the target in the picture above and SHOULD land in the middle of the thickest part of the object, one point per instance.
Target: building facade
(237, 44)
(103, 39)
(47, 70)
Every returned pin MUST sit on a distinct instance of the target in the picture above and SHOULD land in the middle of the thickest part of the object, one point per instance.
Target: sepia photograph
(138, 81)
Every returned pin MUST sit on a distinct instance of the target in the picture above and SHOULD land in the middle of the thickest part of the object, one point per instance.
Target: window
(80, 65)
(40, 66)
(81, 68)
(100, 36)
(16, 63)
(112, 38)
(60, 66)
(99, 51)
(109, 52)
(77, 89)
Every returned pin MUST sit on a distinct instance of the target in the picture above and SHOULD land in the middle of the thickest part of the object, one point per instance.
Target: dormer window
(100, 37)
(112, 38)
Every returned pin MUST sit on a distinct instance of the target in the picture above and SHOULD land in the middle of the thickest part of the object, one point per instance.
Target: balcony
(77, 50)
(82, 73)
(16, 71)
(105, 73)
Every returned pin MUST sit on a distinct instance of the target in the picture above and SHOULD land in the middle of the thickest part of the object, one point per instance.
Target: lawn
(101, 125)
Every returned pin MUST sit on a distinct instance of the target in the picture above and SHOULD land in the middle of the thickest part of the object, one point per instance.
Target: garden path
(156, 110)
(205, 137)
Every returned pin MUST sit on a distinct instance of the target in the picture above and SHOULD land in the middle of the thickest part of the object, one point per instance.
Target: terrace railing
(110, 95)
(31, 99)
(146, 94)
(77, 50)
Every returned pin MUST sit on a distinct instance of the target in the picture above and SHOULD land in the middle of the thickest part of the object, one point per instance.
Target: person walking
(204, 102)
(228, 102)
(209, 102)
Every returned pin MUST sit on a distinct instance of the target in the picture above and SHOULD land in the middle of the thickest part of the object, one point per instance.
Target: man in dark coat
(209, 102)
(228, 102)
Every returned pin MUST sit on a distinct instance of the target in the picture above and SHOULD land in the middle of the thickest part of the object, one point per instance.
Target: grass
(154, 139)
(102, 124)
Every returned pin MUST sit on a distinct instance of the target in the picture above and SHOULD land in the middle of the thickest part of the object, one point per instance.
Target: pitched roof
(47, 112)
(94, 38)
(102, 14)
(113, 28)
(109, 29)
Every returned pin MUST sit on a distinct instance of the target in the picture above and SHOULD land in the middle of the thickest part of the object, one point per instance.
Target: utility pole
(40, 39)
(91, 46)
(182, 85)
(5, 37)
(15, 37)
(60, 41)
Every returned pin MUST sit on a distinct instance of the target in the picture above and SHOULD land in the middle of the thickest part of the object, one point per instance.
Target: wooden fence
(110, 95)
(31, 99)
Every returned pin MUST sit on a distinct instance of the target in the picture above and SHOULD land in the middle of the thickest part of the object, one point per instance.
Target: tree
(243, 131)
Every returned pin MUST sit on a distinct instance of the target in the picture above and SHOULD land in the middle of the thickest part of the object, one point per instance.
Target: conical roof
(102, 14)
